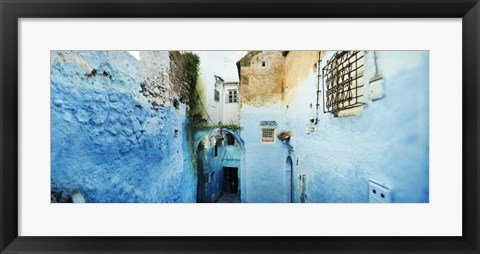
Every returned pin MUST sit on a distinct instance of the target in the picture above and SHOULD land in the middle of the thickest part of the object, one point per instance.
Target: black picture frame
(12, 10)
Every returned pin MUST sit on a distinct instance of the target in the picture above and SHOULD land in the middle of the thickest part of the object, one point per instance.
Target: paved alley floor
(229, 198)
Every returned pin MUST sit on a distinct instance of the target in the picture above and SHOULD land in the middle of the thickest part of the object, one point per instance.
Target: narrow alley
(240, 126)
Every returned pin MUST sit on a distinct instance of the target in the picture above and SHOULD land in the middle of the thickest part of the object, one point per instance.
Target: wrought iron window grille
(341, 86)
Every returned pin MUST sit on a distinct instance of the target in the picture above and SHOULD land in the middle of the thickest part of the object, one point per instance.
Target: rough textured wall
(178, 75)
(299, 66)
(115, 135)
(260, 85)
(155, 85)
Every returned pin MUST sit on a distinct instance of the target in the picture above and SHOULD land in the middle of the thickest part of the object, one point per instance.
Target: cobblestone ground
(229, 198)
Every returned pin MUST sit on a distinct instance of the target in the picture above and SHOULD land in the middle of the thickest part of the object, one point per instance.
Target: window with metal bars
(343, 81)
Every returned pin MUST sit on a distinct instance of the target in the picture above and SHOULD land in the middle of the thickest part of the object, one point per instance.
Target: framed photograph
(226, 126)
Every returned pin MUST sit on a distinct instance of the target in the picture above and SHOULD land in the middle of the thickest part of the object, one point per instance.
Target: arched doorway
(218, 157)
(289, 180)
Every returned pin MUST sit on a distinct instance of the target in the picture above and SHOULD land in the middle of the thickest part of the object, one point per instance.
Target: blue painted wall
(212, 165)
(106, 139)
(264, 165)
(387, 143)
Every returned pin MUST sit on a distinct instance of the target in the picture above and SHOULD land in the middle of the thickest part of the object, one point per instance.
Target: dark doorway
(230, 180)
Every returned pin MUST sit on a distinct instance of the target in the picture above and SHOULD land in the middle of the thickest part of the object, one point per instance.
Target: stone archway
(200, 135)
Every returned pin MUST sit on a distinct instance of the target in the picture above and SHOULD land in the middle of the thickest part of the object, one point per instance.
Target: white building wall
(230, 111)
(219, 63)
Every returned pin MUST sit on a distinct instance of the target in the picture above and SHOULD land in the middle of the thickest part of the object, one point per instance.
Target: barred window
(268, 135)
(232, 96)
(343, 82)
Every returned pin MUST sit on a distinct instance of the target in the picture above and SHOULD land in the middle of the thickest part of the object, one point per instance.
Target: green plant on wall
(232, 127)
(193, 66)
(205, 126)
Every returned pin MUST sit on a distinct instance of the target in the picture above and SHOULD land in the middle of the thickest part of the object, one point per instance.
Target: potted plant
(285, 135)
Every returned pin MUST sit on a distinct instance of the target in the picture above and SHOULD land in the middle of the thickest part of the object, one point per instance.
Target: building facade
(335, 127)
(217, 77)
(226, 102)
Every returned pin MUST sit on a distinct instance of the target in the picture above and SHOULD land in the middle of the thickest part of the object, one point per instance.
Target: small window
(264, 63)
(217, 95)
(232, 96)
(268, 135)
(230, 139)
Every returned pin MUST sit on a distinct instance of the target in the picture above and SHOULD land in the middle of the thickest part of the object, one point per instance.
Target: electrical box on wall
(378, 193)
